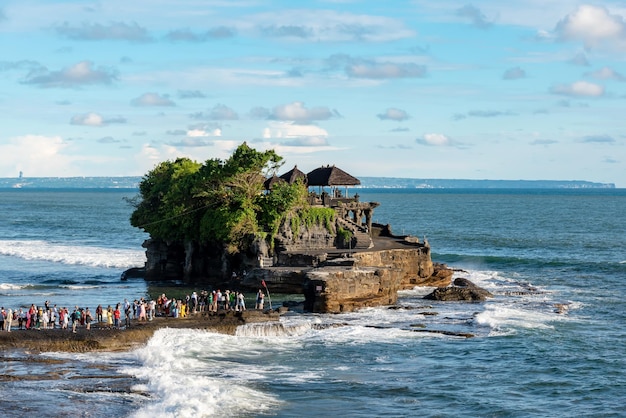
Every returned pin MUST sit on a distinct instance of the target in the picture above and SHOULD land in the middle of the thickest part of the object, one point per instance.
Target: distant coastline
(132, 182)
(381, 182)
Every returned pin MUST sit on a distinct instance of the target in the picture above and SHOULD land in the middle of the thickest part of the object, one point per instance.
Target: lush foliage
(283, 199)
(215, 201)
(344, 236)
(218, 201)
(308, 216)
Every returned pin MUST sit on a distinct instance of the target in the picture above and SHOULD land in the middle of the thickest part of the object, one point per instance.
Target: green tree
(166, 200)
(215, 202)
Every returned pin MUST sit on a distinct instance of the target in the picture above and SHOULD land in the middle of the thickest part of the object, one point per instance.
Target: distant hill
(394, 182)
(366, 182)
(71, 182)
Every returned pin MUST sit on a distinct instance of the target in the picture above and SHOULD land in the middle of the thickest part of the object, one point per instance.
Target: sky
(489, 89)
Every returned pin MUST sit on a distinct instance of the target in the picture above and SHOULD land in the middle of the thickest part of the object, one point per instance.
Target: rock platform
(102, 338)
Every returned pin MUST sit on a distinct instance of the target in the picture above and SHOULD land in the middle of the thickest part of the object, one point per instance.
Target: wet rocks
(462, 290)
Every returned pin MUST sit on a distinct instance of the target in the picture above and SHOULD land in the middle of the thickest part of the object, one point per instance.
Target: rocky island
(228, 223)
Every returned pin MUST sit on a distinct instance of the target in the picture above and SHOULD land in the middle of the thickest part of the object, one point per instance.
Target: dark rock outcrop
(463, 290)
(441, 277)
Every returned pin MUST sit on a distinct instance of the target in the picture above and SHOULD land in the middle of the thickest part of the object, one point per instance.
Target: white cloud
(514, 74)
(88, 119)
(35, 155)
(82, 73)
(475, 16)
(592, 25)
(436, 140)
(152, 99)
(579, 88)
(297, 112)
(97, 32)
(386, 70)
(219, 112)
(327, 26)
(606, 73)
(391, 113)
(94, 119)
(294, 135)
(580, 59)
(195, 133)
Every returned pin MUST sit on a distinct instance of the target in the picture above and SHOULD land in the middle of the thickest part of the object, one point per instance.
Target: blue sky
(492, 89)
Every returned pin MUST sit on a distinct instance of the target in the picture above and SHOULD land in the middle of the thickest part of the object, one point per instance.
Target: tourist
(127, 312)
(232, 300)
(88, 319)
(142, 310)
(136, 305)
(8, 320)
(30, 318)
(241, 302)
(259, 300)
(76, 316)
(172, 308)
(64, 318)
(182, 309)
(110, 317)
(117, 315)
(211, 301)
(3, 315)
(39, 317)
(99, 313)
(152, 310)
(45, 319)
(21, 319)
(52, 316)
(224, 299)
(194, 302)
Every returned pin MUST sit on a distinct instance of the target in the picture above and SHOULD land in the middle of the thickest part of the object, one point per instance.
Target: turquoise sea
(533, 249)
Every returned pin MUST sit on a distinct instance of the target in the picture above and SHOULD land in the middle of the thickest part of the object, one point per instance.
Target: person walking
(8, 321)
(110, 317)
(259, 299)
(99, 313)
(117, 315)
(88, 319)
(241, 302)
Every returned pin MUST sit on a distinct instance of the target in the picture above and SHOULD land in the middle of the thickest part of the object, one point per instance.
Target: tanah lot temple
(350, 264)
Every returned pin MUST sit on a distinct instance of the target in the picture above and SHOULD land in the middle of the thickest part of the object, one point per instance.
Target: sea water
(549, 343)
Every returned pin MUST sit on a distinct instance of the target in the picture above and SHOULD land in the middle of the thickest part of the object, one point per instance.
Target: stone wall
(336, 289)
(373, 280)
(414, 263)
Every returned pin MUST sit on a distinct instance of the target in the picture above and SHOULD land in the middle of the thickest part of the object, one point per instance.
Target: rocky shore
(102, 338)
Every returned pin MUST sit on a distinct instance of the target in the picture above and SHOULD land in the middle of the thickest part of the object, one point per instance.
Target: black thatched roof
(293, 175)
(331, 176)
(270, 182)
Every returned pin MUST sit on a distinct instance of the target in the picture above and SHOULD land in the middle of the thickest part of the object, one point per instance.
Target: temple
(352, 214)
(341, 262)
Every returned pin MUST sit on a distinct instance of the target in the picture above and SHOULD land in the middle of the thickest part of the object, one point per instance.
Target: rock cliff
(373, 279)
(310, 260)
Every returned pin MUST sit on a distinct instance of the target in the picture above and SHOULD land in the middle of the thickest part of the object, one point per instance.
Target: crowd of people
(50, 316)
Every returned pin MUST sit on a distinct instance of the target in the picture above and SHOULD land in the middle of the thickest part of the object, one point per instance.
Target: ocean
(534, 250)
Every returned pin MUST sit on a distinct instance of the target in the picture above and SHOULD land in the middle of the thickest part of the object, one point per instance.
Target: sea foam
(72, 254)
(187, 374)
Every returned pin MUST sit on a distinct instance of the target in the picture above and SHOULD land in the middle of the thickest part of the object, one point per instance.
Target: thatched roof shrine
(270, 182)
(294, 175)
(331, 176)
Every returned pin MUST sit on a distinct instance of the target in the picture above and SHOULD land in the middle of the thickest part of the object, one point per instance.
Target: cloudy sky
(489, 89)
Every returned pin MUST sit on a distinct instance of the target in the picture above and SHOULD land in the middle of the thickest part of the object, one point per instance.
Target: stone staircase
(266, 262)
(361, 239)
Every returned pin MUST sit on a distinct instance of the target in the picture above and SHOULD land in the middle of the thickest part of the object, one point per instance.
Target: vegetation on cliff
(219, 202)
